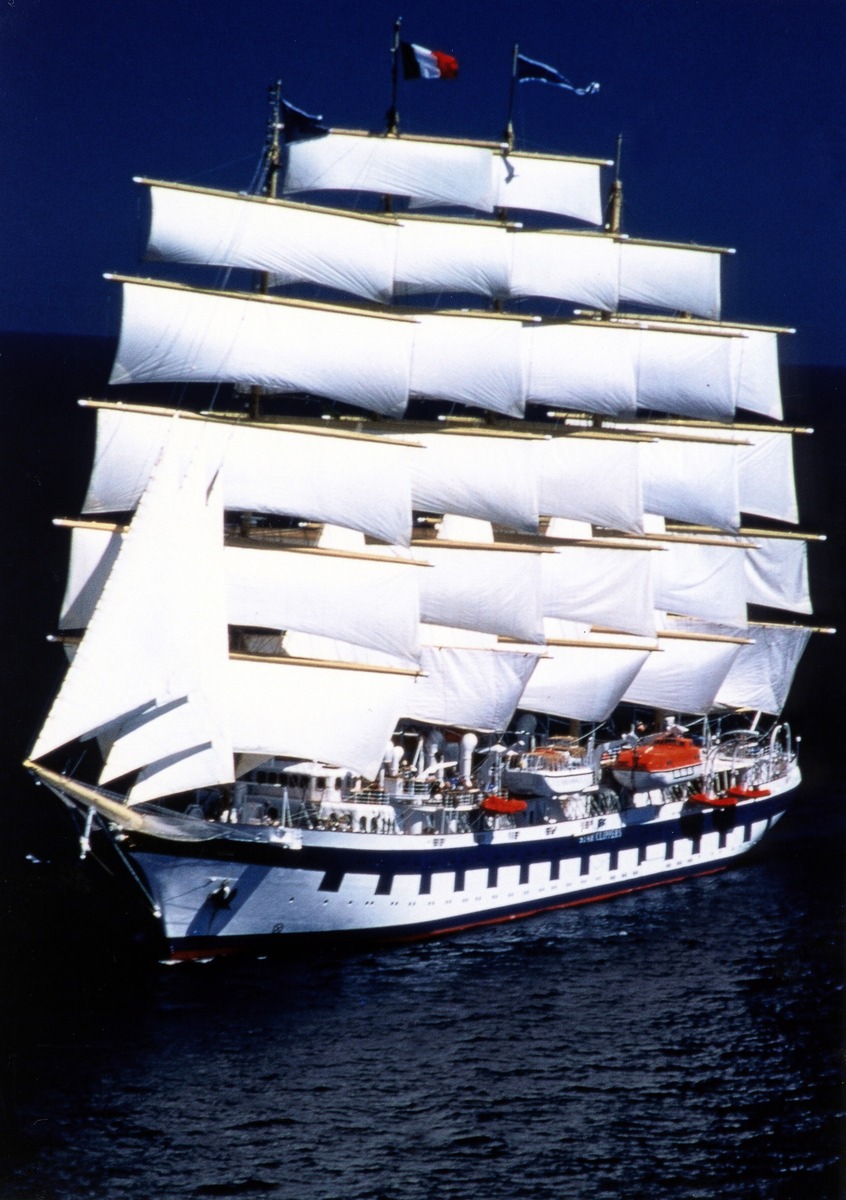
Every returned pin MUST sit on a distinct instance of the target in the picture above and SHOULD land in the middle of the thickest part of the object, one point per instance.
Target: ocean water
(686, 1042)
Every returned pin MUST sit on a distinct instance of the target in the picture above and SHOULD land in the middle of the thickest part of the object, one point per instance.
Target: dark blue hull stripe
(334, 862)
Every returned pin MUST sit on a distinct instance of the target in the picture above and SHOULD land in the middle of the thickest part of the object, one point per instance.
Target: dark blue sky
(732, 111)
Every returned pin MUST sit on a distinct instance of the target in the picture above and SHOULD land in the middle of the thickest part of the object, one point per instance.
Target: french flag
(420, 63)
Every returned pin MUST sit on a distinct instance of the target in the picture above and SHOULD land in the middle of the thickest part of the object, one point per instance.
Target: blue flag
(299, 125)
(528, 69)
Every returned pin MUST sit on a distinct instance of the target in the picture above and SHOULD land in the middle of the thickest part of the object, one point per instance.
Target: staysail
(147, 646)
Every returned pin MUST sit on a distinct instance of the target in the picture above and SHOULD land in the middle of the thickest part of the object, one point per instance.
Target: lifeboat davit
(658, 761)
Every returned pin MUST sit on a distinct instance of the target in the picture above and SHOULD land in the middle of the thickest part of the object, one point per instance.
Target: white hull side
(401, 887)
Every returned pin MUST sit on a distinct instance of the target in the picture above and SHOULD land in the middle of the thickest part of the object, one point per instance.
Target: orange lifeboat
(502, 804)
(723, 800)
(748, 793)
(658, 761)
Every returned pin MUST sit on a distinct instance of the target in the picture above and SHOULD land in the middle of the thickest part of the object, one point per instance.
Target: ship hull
(339, 886)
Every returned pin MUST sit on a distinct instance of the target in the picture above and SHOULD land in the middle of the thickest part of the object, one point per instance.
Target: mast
(392, 114)
(272, 152)
(508, 135)
(615, 194)
(272, 160)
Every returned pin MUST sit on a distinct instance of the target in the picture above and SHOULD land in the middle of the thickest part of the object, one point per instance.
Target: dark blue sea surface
(684, 1042)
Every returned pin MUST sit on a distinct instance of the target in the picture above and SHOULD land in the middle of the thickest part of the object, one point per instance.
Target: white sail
(763, 477)
(686, 368)
(584, 367)
(495, 591)
(761, 674)
(590, 479)
(295, 243)
(435, 256)
(606, 587)
(449, 635)
(612, 368)
(777, 574)
(368, 601)
(432, 172)
(328, 713)
(692, 481)
(603, 272)
(174, 334)
(472, 360)
(345, 480)
(148, 642)
(465, 678)
(491, 478)
(374, 361)
(763, 471)
(685, 676)
(92, 555)
(196, 766)
(707, 581)
(175, 746)
(84, 704)
(766, 477)
(559, 264)
(378, 257)
(440, 172)
(685, 278)
(455, 528)
(541, 183)
(584, 676)
(746, 366)
(759, 386)
(469, 687)
(692, 374)
(184, 743)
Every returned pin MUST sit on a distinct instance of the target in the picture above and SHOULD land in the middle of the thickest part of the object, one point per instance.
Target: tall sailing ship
(467, 638)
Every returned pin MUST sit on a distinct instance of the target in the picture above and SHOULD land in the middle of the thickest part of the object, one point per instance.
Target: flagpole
(509, 125)
(392, 114)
